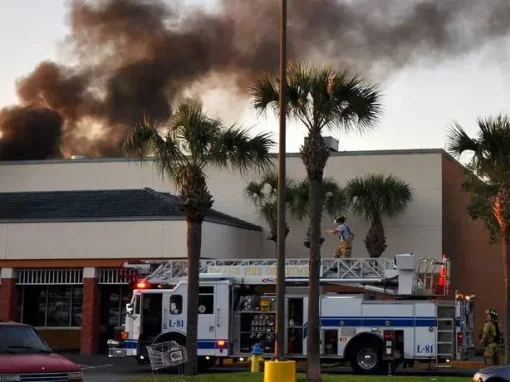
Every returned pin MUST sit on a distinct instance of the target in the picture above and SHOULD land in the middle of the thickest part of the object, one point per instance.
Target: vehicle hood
(35, 363)
(500, 371)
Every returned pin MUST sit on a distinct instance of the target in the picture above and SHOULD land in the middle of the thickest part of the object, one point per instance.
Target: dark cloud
(138, 57)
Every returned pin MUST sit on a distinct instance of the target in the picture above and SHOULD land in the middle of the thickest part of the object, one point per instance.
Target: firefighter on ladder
(346, 237)
(489, 337)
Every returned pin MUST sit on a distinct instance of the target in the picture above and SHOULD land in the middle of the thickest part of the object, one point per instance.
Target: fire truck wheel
(366, 357)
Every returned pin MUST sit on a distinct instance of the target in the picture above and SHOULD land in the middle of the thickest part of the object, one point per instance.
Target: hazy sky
(419, 101)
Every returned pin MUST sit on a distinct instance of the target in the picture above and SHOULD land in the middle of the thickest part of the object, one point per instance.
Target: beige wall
(121, 240)
(419, 230)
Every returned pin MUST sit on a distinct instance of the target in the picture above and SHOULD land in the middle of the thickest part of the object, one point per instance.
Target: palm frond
(195, 130)
(143, 142)
(375, 196)
(357, 102)
(263, 193)
(490, 148)
(234, 148)
(458, 141)
(321, 97)
(334, 199)
(265, 93)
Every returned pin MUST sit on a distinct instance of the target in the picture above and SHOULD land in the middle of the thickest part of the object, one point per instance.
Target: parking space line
(87, 367)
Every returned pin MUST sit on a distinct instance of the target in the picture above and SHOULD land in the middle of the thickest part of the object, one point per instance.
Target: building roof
(100, 205)
(80, 159)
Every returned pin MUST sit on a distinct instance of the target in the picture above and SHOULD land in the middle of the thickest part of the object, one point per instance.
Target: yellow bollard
(255, 363)
(280, 371)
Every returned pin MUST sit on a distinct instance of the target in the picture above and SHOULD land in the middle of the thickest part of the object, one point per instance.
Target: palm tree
(488, 182)
(263, 193)
(192, 143)
(321, 99)
(334, 202)
(375, 197)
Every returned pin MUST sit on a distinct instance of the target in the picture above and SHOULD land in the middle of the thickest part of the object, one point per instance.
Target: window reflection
(51, 305)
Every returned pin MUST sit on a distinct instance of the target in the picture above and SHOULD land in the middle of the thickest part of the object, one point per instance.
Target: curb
(423, 365)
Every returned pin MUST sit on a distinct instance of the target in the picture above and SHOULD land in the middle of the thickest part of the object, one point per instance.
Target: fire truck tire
(366, 356)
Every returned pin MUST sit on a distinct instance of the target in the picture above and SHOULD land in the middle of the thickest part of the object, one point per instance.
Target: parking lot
(104, 369)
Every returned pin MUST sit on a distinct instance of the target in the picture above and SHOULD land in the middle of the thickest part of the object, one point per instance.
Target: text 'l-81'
(176, 323)
(424, 349)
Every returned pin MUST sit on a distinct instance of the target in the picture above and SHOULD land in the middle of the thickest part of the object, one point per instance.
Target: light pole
(280, 236)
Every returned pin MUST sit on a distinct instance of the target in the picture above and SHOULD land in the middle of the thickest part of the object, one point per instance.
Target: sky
(420, 102)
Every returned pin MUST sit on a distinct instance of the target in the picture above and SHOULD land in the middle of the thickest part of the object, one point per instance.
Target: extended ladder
(362, 271)
(264, 271)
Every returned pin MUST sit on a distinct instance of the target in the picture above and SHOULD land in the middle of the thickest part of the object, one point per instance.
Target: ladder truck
(414, 321)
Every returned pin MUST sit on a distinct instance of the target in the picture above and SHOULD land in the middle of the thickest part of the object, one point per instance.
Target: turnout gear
(346, 237)
(490, 337)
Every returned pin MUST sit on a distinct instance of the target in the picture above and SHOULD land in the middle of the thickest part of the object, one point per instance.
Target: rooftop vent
(78, 157)
(330, 142)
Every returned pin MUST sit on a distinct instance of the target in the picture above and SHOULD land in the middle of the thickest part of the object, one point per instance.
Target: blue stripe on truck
(401, 322)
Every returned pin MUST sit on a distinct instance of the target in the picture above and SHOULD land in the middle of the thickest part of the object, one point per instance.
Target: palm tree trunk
(314, 154)
(375, 241)
(194, 244)
(313, 342)
(505, 248)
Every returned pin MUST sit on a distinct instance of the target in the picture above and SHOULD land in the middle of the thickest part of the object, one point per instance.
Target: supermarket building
(67, 226)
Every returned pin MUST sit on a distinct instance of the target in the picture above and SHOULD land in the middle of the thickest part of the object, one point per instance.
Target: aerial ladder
(405, 275)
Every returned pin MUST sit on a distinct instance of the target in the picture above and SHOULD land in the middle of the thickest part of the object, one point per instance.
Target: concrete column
(9, 310)
(90, 321)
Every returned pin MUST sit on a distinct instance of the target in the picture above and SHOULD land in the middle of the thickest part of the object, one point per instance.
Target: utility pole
(280, 236)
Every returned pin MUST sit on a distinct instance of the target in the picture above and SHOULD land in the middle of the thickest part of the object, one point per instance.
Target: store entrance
(112, 313)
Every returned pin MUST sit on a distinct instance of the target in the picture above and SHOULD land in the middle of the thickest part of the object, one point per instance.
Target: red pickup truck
(25, 357)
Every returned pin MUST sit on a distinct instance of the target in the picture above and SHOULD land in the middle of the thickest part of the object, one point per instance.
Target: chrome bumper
(117, 352)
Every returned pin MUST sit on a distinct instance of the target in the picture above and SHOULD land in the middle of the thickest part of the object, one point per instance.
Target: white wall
(119, 240)
(418, 231)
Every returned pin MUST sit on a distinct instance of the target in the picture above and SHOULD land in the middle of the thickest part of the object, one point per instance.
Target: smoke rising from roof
(135, 57)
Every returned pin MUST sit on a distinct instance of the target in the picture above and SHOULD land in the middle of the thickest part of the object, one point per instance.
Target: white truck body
(414, 325)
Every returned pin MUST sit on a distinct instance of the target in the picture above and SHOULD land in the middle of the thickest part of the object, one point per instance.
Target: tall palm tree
(488, 182)
(334, 202)
(375, 197)
(191, 143)
(321, 99)
(263, 193)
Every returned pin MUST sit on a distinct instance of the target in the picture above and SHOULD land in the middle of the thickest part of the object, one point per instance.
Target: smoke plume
(134, 57)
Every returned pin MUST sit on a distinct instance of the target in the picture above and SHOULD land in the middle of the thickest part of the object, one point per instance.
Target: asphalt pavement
(100, 368)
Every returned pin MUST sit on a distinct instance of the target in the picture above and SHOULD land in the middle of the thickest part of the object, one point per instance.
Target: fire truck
(402, 314)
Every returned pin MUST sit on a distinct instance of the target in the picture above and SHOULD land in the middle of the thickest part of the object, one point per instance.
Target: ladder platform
(402, 275)
(256, 271)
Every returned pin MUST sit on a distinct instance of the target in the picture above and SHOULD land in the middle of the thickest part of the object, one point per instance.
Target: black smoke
(137, 57)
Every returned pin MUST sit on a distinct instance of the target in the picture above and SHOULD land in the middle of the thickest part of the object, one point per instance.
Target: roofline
(207, 219)
(451, 158)
(288, 155)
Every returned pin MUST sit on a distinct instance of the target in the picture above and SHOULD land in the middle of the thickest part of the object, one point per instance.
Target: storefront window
(76, 307)
(113, 306)
(51, 305)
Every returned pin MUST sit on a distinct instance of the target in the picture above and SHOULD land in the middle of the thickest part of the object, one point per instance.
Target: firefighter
(489, 338)
(346, 237)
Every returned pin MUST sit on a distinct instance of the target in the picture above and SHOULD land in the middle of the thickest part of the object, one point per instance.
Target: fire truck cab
(237, 311)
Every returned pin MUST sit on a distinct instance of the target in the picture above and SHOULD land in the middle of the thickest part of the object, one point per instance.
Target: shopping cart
(166, 356)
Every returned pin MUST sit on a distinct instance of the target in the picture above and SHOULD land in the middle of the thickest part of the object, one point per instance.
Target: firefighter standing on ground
(488, 339)
(346, 237)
